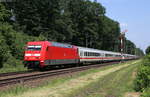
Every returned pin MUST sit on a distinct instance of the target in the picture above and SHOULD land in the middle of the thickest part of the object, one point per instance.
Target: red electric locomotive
(44, 53)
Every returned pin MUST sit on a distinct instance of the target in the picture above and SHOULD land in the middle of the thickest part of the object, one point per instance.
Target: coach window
(88, 53)
(106, 55)
(99, 54)
(84, 53)
(80, 53)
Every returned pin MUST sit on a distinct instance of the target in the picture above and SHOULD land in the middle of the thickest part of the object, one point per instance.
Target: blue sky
(133, 15)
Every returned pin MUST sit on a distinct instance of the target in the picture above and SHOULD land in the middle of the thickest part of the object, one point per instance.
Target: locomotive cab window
(34, 47)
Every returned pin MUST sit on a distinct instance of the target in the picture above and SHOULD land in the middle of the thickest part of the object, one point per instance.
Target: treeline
(78, 22)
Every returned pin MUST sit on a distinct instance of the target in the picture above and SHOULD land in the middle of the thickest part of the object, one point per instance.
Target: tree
(148, 50)
(4, 14)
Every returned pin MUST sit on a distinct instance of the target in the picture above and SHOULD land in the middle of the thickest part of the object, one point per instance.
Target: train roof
(65, 45)
(52, 43)
(96, 50)
(102, 51)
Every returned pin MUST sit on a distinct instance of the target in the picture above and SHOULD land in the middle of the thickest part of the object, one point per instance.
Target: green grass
(8, 68)
(113, 85)
(51, 83)
(19, 89)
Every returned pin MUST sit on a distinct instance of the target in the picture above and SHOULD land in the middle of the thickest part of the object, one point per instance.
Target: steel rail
(15, 73)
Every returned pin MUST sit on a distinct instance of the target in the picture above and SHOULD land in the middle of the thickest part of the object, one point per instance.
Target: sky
(133, 15)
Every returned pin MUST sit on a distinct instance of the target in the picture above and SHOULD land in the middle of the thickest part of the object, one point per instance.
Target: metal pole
(122, 39)
(86, 40)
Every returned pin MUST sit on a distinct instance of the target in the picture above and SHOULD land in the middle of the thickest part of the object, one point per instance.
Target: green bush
(143, 76)
(13, 62)
(146, 93)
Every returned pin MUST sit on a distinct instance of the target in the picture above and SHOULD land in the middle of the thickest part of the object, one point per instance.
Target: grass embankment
(95, 80)
(8, 68)
(116, 84)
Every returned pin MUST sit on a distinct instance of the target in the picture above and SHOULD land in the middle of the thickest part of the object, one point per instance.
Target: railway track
(21, 79)
(15, 73)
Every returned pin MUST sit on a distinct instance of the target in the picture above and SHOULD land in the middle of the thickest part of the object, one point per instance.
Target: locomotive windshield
(34, 47)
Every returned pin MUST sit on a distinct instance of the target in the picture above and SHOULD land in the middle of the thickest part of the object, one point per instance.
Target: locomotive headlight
(42, 61)
(37, 54)
(27, 54)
